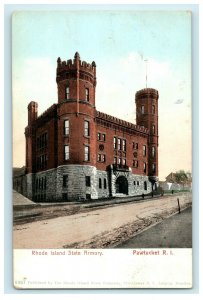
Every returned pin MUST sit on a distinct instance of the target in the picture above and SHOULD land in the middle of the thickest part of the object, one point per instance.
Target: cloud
(179, 101)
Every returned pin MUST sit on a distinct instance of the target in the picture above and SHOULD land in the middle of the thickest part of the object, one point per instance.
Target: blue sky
(119, 42)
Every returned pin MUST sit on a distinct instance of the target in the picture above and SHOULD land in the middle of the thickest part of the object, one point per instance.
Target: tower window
(153, 129)
(153, 109)
(153, 151)
(115, 160)
(67, 93)
(66, 127)
(144, 150)
(66, 152)
(87, 153)
(153, 168)
(87, 96)
(142, 109)
(145, 167)
(86, 128)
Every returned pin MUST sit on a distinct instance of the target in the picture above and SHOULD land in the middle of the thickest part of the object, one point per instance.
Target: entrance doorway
(122, 185)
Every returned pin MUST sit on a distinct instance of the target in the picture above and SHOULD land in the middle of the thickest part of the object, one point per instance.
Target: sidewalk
(173, 232)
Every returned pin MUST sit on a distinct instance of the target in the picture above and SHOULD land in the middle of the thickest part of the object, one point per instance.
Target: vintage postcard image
(102, 178)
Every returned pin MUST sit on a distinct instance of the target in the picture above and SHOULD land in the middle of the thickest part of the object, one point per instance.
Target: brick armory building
(75, 152)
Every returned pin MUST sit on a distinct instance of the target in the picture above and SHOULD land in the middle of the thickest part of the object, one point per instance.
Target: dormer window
(87, 96)
(67, 93)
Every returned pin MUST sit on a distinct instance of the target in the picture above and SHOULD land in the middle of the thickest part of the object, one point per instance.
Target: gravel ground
(74, 226)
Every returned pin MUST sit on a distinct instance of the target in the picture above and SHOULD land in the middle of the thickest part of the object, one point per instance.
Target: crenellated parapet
(147, 92)
(119, 122)
(68, 69)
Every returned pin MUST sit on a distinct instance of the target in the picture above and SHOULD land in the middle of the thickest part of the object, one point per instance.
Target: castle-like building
(75, 152)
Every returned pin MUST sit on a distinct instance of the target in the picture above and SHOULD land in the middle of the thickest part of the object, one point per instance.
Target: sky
(119, 42)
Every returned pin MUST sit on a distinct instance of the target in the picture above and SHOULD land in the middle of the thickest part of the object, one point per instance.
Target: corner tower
(147, 116)
(76, 81)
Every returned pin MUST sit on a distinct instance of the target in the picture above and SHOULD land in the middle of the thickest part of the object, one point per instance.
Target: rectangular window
(135, 163)
(104, 183)
(87, 181)
(87, 153)
(67, 93)
(153, 151)
(145, 167)
(114, 143)
(119, 144)
(103, 137)
(142, 109)
(119, 161)
(115, 160)
(66, 152)
(124, 161)
(66, 127)
(101, 157)
(153, 168)
(100, 183)
(87, 96)
(86, 128)
(153, 129)
(98, 136)
(144, 150)
(124, 145)
(138, 183)
(145, 185)
(153, 109)
(65, 180)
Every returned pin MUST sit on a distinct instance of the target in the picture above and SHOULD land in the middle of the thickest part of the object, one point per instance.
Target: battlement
(117, 121)
(147, 92)
(74, 64)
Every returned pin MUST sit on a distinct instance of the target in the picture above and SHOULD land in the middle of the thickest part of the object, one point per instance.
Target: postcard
(102, 164)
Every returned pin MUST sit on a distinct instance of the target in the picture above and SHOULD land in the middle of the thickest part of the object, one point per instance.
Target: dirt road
(99, 228)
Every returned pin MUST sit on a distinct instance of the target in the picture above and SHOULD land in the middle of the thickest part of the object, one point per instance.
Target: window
(119, 161)
(138, 183)
(104, 183)
(66, 127)
(114, 142)
(135, 163)
(142, 109)
(119, 144)
(66, 152)
(153, 109)
(145, 185)
(153, 151)
(65, 180)
(104, 137)
(67, 93)
(101, 157)
(86, 128)
(144, 167)
(100, 183)
(134, 183)
(153, 168)
(87, 153)
(87, 181)
(65, 196)
(124, 162)
(135, 145)
(87, 96)
(115, 160)
(144, 150)
(153, 129)
(98, 136)
(124, 145)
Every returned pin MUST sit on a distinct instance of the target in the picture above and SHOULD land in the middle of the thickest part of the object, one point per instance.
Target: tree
(183, 177)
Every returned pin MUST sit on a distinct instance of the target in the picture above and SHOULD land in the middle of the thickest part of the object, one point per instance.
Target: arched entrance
(122, 185)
